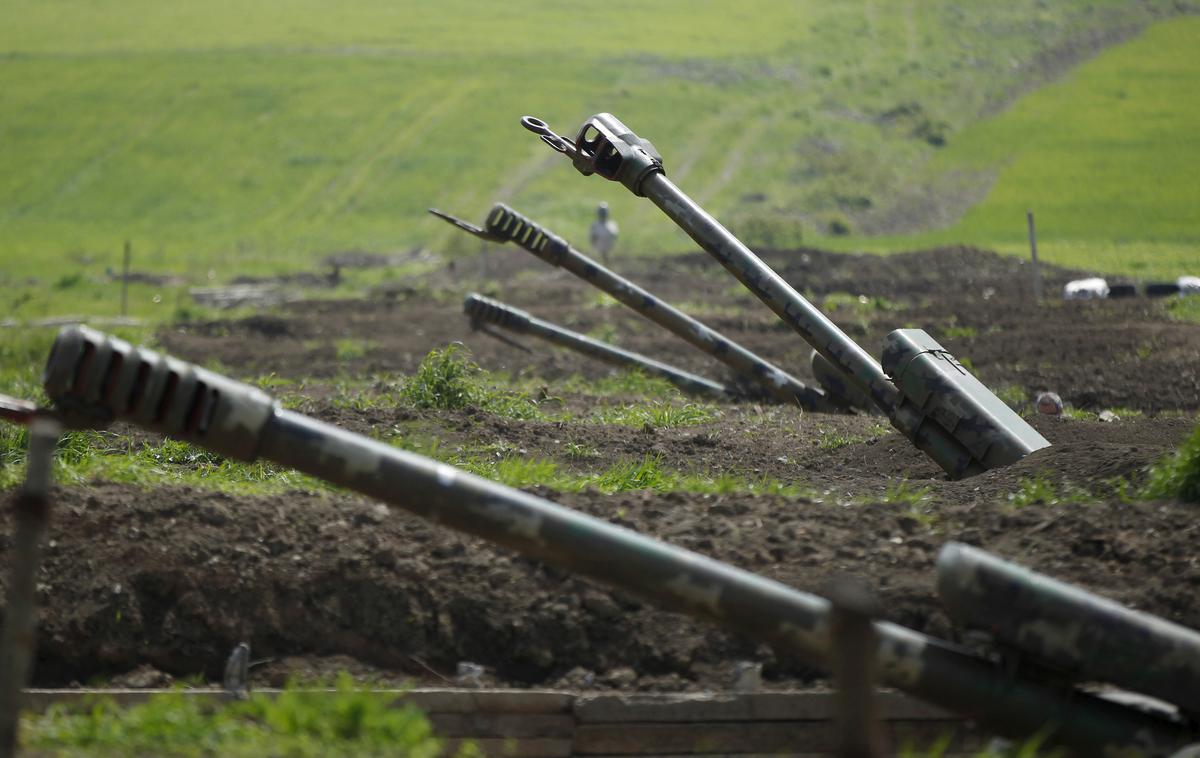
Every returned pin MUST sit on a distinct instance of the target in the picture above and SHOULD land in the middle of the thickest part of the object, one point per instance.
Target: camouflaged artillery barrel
(488, 311)
(926, 394)
(1069, 630)
(507, 225)
(94, 379)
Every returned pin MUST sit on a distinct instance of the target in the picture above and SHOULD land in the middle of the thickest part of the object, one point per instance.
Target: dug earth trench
(317, 581)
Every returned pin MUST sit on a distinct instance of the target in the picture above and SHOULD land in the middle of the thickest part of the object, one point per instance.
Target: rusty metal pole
(125, 279)
(31, 508)
(851, 628)
(1037, 267)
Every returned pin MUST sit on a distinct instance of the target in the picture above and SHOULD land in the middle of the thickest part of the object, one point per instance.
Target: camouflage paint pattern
(94, 378)
(604, 142)
(485, 310)
(507, 225)
(838, 385)
(794, 622)
(1074, 632)
(940, 388)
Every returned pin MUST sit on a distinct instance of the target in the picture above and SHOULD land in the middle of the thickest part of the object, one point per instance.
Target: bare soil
(317, 582)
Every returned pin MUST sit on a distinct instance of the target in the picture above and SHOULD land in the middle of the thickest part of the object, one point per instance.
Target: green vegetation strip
(351, 721)
(445, 380)
(104, 456)
(646, 473)
(298, 723)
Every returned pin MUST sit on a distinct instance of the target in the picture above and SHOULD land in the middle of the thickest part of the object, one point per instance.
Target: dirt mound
(176, 577)
(1097, 354)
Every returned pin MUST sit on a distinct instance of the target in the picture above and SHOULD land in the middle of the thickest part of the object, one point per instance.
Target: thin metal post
(1037, 268)
(18, 638)
(125, 279)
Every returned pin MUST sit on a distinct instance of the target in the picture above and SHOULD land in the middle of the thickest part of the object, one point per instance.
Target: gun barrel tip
(951, 554)
(534, 124)
(448, 218)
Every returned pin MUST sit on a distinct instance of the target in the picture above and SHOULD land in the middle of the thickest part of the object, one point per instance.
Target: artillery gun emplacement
(484, 310)
(93, 380)
(926, 394)
(754, 374)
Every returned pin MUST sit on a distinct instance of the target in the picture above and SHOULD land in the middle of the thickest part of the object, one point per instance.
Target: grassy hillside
(1105, 158)
(243, 137)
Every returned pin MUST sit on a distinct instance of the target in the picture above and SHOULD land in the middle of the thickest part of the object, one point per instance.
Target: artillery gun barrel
(1072, 631)
(94, 379)
(796, 311)
(507, 224)
(811, 324)
(488, 311)
(929, 396)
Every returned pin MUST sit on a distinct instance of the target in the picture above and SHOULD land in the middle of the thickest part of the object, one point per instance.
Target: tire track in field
(736, 157)
(695, 151)
(910, 32)
(319, 182)
(703, 137)
(394, 143)
(91, 168)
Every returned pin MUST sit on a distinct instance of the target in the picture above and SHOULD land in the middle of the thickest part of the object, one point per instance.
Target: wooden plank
(428, 700)
(526, 748)
(922, 734)
(896, 706)
(588, 708)
(38, 700)
(490, 701)
(788, 754)
(700, 707)
(763, 706)
(756, 739)
(502, 724)
(695, 738)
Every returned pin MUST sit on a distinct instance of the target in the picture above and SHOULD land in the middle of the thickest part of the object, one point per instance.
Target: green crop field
(225, 138)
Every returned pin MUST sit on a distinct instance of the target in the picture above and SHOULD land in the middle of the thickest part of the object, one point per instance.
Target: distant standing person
(603, 233)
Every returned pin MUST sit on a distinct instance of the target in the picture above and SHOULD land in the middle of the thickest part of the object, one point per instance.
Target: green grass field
(256, 136)
(1105, 158)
